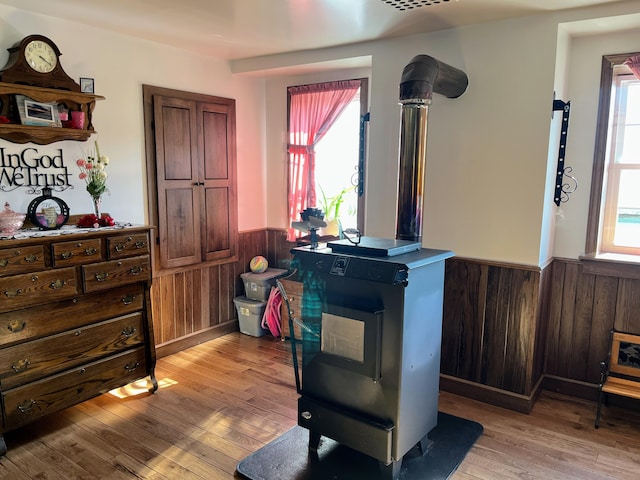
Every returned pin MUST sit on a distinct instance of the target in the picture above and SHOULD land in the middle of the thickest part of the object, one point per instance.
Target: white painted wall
(491, 153)
(487, 150)
(120, 66)
(583, 89)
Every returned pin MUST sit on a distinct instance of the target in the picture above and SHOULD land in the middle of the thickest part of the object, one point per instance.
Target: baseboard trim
(197, 338)
(573, 388)
(491, 395)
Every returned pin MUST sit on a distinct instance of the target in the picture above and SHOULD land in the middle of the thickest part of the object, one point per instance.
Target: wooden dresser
(75, 319)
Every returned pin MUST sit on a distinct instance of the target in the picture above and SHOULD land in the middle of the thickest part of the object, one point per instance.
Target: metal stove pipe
(422, 76)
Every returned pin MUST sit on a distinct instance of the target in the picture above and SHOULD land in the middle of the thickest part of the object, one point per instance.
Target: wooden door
(177, 177)
(217, 140)
(194, 142)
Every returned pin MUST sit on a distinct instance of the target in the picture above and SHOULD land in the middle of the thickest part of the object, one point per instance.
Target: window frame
(364, 109)
(599, 238)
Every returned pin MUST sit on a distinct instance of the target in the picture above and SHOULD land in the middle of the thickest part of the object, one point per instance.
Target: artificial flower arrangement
(93, 171)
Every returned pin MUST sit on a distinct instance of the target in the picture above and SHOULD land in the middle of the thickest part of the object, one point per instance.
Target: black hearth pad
(287, 457)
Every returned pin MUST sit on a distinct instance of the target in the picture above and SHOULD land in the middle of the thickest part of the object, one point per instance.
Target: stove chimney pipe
(422, 76)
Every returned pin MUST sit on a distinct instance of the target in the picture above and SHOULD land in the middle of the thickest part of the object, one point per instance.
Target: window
(326, 152)
(614, 213)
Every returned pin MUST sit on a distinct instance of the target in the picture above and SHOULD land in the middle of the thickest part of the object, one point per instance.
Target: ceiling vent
(411, 4)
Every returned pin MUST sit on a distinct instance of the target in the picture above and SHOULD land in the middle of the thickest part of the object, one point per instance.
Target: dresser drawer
(33, 360)
(128, 245)
(104, 275)
(21, 259)
(37, 288)
(35, 322)
(76, 252)
(34, 400)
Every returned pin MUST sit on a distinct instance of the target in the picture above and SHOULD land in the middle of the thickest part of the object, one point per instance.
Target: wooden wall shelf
(42, 135)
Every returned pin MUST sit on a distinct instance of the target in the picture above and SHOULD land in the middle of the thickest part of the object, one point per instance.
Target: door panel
(217, 234)
(177, 145)
(216, 158)
(178, 197)
(183, 218)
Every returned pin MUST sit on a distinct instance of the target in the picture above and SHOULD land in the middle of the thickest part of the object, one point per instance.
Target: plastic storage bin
(257, 286)
(250, 316)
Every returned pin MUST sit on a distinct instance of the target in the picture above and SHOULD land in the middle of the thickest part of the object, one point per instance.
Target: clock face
(40, 56)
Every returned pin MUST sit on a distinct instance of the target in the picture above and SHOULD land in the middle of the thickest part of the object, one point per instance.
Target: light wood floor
(222, 400)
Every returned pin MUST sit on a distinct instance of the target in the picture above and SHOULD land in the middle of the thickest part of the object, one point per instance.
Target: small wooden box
(294, 291)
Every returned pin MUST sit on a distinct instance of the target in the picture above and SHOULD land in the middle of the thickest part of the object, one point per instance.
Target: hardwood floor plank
(220, 401)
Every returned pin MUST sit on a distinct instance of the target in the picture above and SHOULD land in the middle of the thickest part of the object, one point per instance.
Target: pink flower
(82, 176)
(88, 166)
(81, 162)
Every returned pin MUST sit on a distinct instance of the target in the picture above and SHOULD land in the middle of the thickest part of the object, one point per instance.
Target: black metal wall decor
(563, 189)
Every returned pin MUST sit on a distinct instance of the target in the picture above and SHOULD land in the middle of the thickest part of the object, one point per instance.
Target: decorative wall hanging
(47, 212)
(563, 189)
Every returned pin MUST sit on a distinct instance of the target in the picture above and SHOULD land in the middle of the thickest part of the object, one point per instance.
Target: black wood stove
(372, 311)
(371, 350)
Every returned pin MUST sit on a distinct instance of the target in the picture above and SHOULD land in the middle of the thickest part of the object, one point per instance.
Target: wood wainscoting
(509, 331)
(494, 328)
(583, 308)
(194, 304)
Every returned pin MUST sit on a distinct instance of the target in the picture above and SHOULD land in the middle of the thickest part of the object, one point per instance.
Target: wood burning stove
(371, 350)
(372, 312)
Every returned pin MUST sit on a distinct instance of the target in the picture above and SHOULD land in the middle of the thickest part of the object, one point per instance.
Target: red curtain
(312, 111)
(634, 65)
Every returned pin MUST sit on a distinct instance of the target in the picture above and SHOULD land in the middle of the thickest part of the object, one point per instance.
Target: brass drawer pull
(16, 326)
(129, 331)
(141, 244)
(136, 270)
(57, 284)
(13, 293)
(101, 276)
(27, 405)
(131, 367)
(21, 365)
(34, 278)
(128, 300)
(4, 262)
(66, 255)
(90, 251)
(31, 258)
(119, 247)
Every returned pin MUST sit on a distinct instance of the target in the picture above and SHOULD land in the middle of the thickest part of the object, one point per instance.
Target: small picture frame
(87, 85)
(38, 113)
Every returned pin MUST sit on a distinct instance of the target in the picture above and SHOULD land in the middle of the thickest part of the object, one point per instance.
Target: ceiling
(235, 29)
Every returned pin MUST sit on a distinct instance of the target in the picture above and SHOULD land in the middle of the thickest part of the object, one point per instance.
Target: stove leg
(314, 441)
(424, 445)
(391, 471)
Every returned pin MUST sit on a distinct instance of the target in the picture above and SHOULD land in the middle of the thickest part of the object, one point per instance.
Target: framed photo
(38, 113)
(87, 85)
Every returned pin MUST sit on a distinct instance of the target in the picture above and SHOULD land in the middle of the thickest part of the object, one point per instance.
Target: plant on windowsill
(331, 208)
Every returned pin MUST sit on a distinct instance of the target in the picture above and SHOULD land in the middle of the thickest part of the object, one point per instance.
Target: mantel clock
(35, 60)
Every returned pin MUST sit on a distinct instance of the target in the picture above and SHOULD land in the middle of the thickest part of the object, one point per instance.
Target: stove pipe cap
(424, 75)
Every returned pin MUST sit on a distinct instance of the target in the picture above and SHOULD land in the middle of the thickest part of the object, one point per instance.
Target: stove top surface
(374, 247)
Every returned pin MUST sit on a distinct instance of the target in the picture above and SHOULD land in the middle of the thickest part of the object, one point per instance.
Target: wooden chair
(620, 373)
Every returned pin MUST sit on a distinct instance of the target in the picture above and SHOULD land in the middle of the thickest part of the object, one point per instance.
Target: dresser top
(71, 232)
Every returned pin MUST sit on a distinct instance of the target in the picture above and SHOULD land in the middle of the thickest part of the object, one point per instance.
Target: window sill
(612, 264)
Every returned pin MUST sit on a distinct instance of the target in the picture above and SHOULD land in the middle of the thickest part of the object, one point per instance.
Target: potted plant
(331, 208)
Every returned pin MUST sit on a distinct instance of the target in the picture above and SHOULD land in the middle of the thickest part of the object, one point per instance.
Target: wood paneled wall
(583, 309)
(195, 304)
(508, 330)
(494, 327)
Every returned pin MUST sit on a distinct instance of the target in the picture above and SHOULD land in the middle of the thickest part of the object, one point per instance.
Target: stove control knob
(306, 415)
